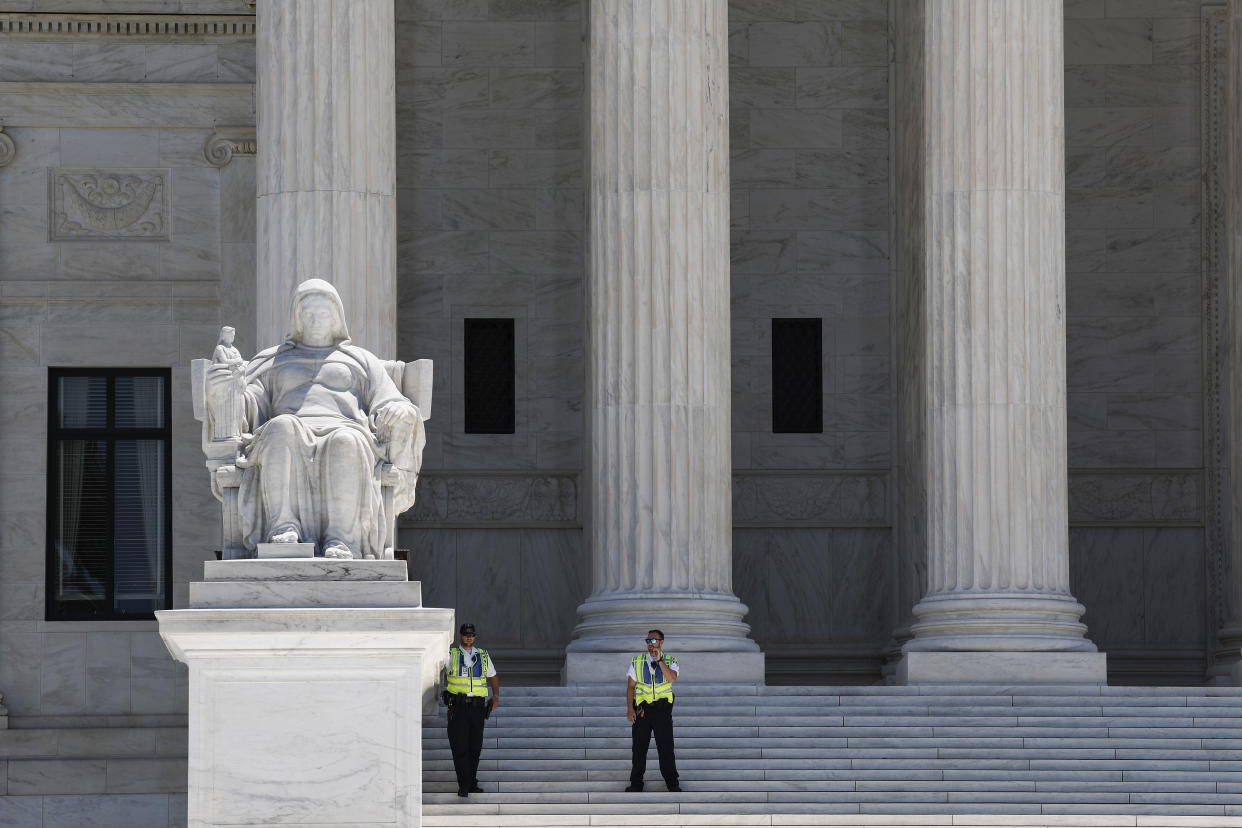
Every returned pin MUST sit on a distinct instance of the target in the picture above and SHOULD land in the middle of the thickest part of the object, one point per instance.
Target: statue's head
(316, 315)
(227, 334)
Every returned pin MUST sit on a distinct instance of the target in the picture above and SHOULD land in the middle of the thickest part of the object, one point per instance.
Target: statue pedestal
(304, 707)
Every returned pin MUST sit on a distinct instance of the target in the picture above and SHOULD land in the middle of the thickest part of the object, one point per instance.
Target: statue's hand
(393, 417)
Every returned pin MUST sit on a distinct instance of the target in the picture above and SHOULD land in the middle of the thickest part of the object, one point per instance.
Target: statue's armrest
(413, 379)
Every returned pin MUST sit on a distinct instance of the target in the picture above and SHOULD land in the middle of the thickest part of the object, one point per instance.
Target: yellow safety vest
(474, 683)
(646, 689)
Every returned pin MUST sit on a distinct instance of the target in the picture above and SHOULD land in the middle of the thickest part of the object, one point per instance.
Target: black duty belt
(462, 700)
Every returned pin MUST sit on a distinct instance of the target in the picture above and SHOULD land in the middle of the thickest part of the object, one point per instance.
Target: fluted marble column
(326, 162)
(657, 308)
(1229, 636)
(986, 349)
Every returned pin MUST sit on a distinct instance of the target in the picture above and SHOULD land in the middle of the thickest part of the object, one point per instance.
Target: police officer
(649, 702)
(469, 673)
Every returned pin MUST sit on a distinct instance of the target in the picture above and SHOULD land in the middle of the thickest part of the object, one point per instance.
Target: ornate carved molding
(8, 150)
(493, 500)
(811, 499)
(132, 27)
(129, 204)
(1213, 59)
(222, 145)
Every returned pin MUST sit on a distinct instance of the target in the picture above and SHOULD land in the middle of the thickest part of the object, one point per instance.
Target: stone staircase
(910, 756)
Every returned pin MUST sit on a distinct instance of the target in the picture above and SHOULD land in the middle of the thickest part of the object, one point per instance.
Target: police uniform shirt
(467, 662)
(630, 674)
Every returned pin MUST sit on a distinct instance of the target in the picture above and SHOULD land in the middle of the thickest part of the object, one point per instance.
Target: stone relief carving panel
(109, 204)
(1129, 499)
(544, 499)
(850, 499)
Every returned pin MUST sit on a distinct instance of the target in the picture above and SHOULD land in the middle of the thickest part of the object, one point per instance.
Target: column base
(704, 630)
(1002, 668)
(1002, 622)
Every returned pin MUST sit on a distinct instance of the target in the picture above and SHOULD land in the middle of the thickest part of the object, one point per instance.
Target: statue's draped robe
(314, 461)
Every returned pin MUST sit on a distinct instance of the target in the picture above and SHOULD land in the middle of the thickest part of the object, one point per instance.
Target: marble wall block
(488, 44)
(811, 43)
(441, 9)
(1106, 575)
(1115, 41)
(1156, 85)
(838, 10)
(63, 673)
(108, 659)
(1075, 9)
(1108, 126)
(851, 88)
(558, 44)
(762, 88)
(544, 88)
(486, 558)
(553, 581)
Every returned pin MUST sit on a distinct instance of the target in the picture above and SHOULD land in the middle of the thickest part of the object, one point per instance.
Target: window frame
(108, 434)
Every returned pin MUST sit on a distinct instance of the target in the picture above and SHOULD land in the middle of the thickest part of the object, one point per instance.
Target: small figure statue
(322, 424)
(225, 353)
(230, 411)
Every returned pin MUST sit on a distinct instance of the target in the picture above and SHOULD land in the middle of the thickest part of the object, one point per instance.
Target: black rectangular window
(491, 398)
(797, 376)
(109, 495)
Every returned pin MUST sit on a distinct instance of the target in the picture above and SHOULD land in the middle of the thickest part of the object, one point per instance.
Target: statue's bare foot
(337, 550)
(287, 536)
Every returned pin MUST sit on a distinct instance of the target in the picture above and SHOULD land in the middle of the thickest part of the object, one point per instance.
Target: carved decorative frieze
(1136, 497)
(8, 150)
(488, 500)
(222, 146)
(127, 204)
(130, 27)
(810, 499)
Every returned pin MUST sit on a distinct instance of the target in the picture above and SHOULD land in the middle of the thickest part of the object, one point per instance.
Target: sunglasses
(654, 640)
(467, 635)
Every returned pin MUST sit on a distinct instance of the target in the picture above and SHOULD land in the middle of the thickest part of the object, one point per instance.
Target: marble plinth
(306, 714)
(285, 550)
(1002, 668)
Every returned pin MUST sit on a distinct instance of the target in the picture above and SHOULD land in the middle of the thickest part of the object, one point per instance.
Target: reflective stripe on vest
(646, 690)
(475, 682)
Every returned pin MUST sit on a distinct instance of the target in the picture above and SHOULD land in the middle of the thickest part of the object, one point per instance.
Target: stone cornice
(128, 27)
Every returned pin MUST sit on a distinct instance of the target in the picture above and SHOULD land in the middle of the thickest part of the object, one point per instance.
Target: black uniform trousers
(656, 718)
(465, 735)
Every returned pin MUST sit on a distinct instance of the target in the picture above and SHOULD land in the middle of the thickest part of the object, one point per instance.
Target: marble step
(878, 693)
(699, 785)
(508, 716)
(437, 816)
(687, 711)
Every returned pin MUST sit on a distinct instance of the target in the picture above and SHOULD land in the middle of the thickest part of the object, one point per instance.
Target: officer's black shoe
(475, 788)
(634, 788)
(462, 792)
(674, 788)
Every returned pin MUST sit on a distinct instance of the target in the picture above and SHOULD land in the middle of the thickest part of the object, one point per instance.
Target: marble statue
(225, 353)
(325, 446)
(226, 416)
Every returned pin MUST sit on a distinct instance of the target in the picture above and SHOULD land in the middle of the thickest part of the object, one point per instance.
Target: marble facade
(490, 205)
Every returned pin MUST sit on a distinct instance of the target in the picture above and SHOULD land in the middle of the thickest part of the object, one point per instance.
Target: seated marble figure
(322, 429)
